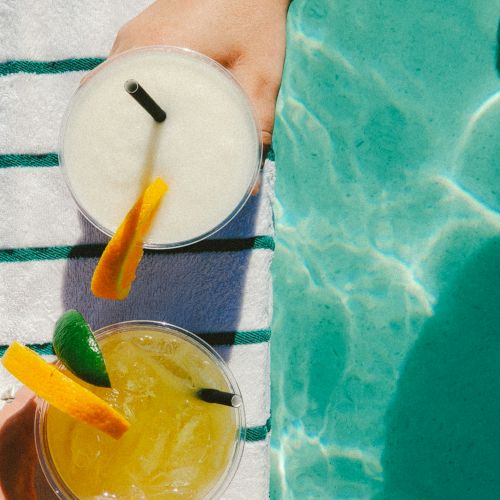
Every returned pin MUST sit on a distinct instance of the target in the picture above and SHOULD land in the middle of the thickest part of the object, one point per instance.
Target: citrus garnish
(76, 347)
(116, 268)
(61, 391)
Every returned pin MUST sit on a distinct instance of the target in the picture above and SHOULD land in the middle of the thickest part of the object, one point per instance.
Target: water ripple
(387, 193)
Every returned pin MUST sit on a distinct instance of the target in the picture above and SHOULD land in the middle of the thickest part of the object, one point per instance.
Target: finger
(85, 78)
(17, 448)
(23, 396)
(90, 74)
(115, 50)
(256, 187)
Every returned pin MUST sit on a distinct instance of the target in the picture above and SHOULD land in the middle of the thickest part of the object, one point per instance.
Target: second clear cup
(177, 446)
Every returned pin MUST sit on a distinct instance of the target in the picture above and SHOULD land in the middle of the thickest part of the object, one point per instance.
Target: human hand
(245, 36)
(20, 472)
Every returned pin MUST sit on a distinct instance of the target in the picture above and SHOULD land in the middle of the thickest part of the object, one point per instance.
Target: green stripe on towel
(95, 250)
(26, 160)
(212, 338)
(49, 160)
(43, 349)
(49, 67)
(237, 338)
(258, 433)
(252, 337)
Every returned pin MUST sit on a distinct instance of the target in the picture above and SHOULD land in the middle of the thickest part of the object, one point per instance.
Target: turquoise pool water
(386, 337)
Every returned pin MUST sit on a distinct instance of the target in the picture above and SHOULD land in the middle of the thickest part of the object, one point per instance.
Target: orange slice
(62, 392)
(116, 268)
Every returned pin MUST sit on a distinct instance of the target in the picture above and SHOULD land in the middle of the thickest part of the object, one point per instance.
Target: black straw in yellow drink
(177, 446)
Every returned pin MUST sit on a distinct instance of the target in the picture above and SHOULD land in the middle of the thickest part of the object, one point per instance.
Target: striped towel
(219, 288)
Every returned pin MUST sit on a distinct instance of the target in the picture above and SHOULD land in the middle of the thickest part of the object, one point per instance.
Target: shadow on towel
(199, 291)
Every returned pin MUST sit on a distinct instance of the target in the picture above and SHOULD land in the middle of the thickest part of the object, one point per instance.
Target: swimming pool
(386, 336)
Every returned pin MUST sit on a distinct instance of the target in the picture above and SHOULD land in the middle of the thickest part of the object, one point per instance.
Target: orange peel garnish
(117, 266)
(61, 391)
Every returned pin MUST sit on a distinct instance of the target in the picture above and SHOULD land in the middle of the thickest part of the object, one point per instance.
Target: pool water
(386, 335)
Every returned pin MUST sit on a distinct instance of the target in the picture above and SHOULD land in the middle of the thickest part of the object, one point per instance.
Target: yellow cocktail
(177, 445)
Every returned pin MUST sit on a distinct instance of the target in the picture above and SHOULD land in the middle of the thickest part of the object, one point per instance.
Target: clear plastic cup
(209, 355)
(208, 149)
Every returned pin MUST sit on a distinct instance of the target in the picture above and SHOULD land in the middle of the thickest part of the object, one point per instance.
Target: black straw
(219, 397)
(145, 100)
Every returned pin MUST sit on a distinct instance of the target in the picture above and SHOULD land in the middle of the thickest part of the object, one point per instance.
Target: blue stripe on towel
(212, 338)
(95, 250)
(29, 160)
(48, 67)
(50, 160)
(258, 433)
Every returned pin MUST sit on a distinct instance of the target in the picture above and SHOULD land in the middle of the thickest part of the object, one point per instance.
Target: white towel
(220, 288)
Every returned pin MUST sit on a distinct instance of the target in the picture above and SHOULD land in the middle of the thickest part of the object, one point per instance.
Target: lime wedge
(76, 347)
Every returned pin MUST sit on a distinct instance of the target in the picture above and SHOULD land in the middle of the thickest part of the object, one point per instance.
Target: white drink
(207, 150)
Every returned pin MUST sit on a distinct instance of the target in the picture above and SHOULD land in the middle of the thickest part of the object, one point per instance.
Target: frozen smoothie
(207, 150)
